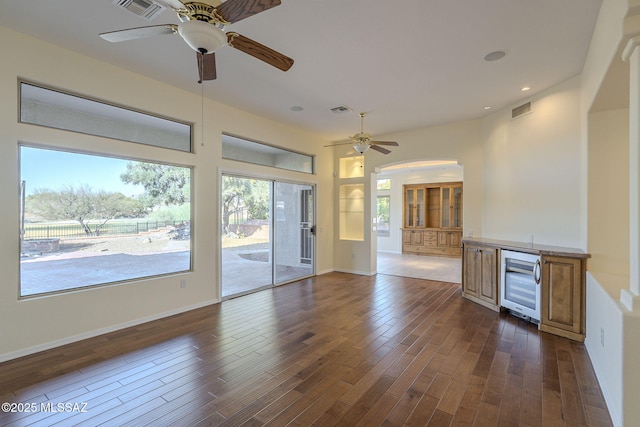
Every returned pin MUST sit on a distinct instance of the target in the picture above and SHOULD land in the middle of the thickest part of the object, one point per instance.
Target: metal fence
(70, 230)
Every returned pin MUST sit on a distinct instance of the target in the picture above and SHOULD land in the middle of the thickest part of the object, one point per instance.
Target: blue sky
(53, 169)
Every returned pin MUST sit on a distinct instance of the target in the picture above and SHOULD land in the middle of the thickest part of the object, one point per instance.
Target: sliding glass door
(267, 233)
(293, 231)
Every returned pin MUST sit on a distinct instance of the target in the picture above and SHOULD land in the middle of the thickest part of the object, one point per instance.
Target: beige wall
(37, 323)
(532, 167)
(608, 231)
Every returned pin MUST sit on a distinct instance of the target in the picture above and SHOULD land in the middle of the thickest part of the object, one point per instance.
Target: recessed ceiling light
(495, 55)
(296, 108)
(525, 88)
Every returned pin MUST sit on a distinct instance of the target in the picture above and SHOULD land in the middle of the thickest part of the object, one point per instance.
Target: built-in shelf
(351, 212)
(351, 167)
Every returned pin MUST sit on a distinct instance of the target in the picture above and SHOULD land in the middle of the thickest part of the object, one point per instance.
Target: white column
(631, 297)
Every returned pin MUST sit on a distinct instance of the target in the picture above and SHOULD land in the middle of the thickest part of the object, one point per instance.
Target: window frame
(128, 280)
(264, 147)
(115, 108)
(385, 233)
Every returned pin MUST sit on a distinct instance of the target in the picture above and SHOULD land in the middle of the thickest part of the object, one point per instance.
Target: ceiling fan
(361, 142)
(203, 27)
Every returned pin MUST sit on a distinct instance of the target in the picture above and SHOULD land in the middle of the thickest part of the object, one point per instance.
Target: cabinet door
(417, 238)
(409, 204)
(406, 237)
(444, 238)
(445, 206)
(456, 208)
(562, 296)
(480, 275)
(471, 267)
(456, 239)
(489, 277)
(420, 208)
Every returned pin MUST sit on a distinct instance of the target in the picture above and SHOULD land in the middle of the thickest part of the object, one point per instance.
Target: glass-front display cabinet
(432, 219)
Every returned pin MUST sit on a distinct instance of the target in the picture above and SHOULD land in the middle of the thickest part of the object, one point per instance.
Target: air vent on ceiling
(145, 9)
(521, 110)
(341, 109)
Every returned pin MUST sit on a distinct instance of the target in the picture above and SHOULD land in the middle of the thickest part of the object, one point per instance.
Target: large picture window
(89, 220)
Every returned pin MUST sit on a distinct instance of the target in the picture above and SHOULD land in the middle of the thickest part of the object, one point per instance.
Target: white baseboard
(68, 340)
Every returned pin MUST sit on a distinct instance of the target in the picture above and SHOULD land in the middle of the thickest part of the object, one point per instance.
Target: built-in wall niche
(352, 212)
(352, 167)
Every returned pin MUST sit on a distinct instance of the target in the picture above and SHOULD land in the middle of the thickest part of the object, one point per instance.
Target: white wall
(34, 324)
(532, 170)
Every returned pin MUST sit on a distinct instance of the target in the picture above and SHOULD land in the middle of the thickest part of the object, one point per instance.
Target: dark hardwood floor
(337, 349)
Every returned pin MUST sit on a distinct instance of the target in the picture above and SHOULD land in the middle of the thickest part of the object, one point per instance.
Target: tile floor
(420, 266)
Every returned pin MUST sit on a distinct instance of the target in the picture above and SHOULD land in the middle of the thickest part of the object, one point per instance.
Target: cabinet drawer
(431, 238)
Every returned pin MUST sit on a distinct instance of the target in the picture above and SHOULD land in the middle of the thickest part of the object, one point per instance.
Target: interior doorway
(267, 233)
(391, 179)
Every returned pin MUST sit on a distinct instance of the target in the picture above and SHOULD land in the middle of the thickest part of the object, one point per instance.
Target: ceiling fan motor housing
(202, 36)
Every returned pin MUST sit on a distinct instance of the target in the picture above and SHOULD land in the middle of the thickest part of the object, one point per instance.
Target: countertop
(527, 247)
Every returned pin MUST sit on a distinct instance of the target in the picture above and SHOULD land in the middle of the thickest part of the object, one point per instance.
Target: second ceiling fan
(361, 141)
(203, 27)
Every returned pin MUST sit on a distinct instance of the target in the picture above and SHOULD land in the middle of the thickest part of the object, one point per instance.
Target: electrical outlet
(183, 283)
(602, 337)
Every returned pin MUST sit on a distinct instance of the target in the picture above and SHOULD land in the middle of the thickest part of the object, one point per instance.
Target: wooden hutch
(432, 222)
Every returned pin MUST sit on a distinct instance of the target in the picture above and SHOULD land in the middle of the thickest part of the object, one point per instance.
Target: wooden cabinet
(563, 296)
(435, 210)
(411, 238)
(480, 275)
(562, 282)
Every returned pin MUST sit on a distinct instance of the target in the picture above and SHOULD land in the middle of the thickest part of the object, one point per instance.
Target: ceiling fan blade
(139, 33)
(339, 143)
(170, 4)
(380, 149)
(392, 143)
(259, 51)
(236, 10)
(206, 66)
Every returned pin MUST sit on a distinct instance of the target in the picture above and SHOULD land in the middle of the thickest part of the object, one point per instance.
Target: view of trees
(167, 193)
(242, 193)
(164, 186)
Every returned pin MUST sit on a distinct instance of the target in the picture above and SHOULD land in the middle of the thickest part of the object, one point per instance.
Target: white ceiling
(408, 63)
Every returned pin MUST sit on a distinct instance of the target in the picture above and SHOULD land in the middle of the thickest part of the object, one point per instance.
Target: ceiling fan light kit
(361, 148)
(202, 36)
(361, 142)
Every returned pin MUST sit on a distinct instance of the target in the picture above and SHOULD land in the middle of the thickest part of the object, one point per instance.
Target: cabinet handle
(536, 272)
